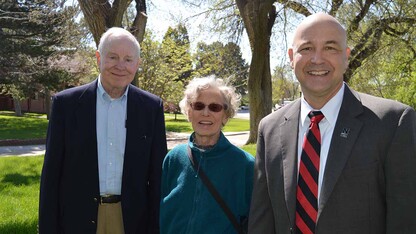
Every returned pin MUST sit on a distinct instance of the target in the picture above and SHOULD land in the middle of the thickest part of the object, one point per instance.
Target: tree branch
(358, 18)
(336, 4)
(367, 47)
(295, 6)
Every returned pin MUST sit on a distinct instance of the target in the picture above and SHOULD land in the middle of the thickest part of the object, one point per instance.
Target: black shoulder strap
(214, 192)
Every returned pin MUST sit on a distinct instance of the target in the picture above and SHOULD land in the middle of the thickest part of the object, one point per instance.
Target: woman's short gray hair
(105, 38)
(195, 86)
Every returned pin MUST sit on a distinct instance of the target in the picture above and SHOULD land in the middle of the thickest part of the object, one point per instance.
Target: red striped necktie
(307, 190)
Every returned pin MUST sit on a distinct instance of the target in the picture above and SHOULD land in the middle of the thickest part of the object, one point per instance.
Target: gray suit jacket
(369, 184)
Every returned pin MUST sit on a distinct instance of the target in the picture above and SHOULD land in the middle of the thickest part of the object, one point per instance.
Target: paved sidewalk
(237, 138)
(24, 150)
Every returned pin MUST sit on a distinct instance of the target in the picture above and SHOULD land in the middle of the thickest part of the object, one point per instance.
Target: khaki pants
(110, 219)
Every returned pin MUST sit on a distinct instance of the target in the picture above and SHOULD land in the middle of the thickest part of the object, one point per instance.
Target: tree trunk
(101, 15)
(258, 17)
(47, 103)
(96, 14)
(17, 106)
(139, 24)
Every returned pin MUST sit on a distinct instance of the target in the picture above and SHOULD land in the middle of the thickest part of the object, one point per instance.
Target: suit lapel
(289, 137)
(346, 131)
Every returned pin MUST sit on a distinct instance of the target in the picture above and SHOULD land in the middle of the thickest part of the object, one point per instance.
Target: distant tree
(284, 85)
(167, 66)
(34, 34)
(223, 61)
(178, 63)
(208, 59)
(236, 68)
(151, 74)
(176, 50)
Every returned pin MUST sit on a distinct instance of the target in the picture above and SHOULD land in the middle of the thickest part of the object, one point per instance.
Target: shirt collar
(102, 93)
(330, 109)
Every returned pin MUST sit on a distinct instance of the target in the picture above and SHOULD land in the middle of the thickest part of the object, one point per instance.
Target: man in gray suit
(366, 180)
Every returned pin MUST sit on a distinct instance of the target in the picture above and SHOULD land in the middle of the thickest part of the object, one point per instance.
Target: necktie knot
(316, 116)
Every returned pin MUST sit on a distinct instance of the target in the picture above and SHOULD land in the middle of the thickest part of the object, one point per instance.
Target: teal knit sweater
(187, 206)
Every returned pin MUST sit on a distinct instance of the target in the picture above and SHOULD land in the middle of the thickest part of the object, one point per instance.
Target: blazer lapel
(135, 125)
(136, 138)
(345, 134)
(86, 112)
(289, 137)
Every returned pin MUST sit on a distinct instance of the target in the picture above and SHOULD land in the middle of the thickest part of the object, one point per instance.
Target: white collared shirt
(326, 127)
(111, 139)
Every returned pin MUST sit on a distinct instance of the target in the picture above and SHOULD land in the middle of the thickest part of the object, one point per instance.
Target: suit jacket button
(95, 199)
(92, 221)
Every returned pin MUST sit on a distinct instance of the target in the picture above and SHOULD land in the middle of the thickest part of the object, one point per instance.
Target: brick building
(35, 104)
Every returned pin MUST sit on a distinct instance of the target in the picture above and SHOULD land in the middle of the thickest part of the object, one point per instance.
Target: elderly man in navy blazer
(105, 145)
(355, 173)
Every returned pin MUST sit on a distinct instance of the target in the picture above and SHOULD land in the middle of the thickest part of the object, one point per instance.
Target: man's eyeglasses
(214, 107)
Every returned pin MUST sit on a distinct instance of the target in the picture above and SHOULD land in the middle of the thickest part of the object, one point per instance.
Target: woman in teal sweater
(187, 206)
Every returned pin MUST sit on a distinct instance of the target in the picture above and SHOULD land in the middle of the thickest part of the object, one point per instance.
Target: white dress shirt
(326, 127)
(111, 140)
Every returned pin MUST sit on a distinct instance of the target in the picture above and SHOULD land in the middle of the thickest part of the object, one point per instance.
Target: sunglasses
(214, 107)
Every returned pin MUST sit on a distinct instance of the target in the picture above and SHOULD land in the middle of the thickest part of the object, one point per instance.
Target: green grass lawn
(251, 148)
(181, 124)
(19, 194)
(30, 126)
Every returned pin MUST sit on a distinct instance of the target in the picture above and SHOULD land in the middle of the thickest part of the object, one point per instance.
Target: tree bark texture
(258, 17)
(139, 24)
(47, 103)
(17, 106)
(101, 15)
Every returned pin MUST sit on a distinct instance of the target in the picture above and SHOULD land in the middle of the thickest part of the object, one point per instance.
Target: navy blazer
(69, 190)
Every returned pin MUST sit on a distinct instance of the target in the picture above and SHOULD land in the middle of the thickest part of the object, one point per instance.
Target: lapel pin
(345, 132)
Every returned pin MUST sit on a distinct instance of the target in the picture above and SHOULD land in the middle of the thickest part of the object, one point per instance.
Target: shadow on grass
(19, 179)
(25, 114)
(19, 227)
(22, 128)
